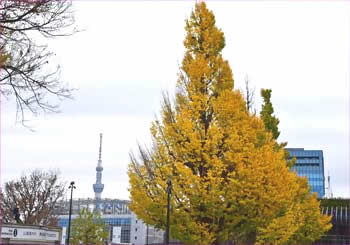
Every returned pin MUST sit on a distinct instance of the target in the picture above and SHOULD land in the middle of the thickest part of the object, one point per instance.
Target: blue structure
(310, 163)
(111, 221)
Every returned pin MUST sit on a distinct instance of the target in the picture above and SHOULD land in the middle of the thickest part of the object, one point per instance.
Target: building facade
(142, 233)
(310, 163)
(121, 221)
(339, 210)
(123, 225)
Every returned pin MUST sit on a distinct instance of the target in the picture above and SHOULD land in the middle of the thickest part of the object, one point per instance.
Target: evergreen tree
(229, 181)
(271, 123)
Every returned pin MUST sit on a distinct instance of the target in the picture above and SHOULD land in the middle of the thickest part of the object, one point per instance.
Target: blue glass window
(309, 163)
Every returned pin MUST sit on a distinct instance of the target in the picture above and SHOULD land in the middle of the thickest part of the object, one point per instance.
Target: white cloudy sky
(129, 53)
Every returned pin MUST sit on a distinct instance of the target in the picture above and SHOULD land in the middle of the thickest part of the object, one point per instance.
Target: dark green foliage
(271, 122)
(334, 202)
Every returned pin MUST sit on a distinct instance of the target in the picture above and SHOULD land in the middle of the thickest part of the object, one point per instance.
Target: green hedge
(335, 202)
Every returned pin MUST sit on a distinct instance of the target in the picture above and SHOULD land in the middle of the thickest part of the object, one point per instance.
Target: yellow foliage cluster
(229, 181)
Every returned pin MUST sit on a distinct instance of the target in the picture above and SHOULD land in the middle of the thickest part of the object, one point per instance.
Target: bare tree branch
(25, 72)
(249, 95)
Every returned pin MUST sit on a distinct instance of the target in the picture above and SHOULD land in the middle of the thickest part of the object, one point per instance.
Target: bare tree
(32, 198)
(249, 95)
(25, 72)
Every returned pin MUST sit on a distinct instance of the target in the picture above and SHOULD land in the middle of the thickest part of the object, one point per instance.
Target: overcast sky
(130, 52)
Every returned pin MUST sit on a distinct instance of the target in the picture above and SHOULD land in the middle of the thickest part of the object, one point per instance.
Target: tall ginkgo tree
(229, 182)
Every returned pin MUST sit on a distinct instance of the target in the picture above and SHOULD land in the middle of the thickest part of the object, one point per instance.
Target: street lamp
(71, 186)
(168, 212)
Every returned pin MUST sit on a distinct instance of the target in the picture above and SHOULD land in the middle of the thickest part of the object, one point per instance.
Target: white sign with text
(20, 233)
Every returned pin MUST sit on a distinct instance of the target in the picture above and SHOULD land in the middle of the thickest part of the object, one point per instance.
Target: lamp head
(71, 186)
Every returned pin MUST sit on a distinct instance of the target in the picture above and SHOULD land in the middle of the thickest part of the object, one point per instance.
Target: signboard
(116, 234)
(19, 233)
(64, 231)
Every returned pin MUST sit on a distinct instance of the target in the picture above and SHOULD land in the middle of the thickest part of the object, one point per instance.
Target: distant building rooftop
(295, 149)
(105, 205)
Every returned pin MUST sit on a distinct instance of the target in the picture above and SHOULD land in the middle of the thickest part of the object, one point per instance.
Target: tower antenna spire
(98, 186)
(100, 151)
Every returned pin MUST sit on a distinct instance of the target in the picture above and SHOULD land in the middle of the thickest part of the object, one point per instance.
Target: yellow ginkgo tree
(229, 181)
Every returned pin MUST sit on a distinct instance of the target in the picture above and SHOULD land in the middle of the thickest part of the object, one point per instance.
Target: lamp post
(71, 186)
(168, 212)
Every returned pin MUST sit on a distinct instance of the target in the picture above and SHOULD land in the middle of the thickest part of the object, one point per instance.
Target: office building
(123, 225)
(310, 163)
